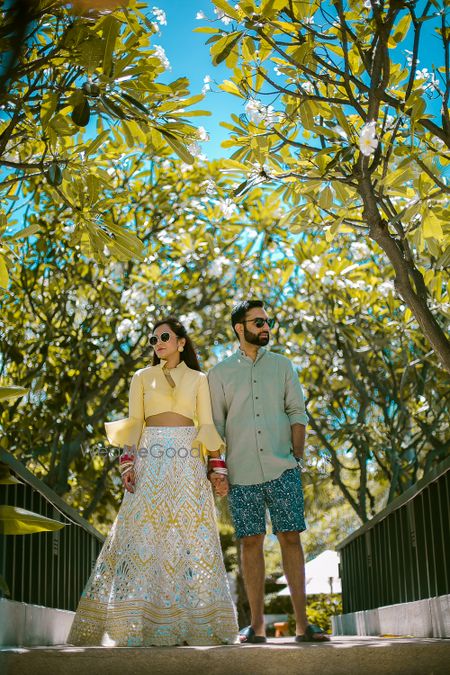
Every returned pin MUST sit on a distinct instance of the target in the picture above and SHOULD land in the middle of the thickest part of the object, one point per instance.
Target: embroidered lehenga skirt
(160, 577)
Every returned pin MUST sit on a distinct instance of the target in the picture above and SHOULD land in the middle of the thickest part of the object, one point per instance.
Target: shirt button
(261, 450)
(256, 397)
(254, 381)
(259, 432)
(257, 414)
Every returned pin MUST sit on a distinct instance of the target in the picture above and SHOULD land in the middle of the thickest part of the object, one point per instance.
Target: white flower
(254, 110)
(210, 187)
(161, 55)
(259, 174)
(367, 139)
(312, 266)
(257, 112)
(228, 207)
(308, 87)
(200, 15)
(386, 288)
(202, 134)
(160, 16)
(359, 250)
(188, 319)
(215, 268)
(206, 84)
(194, 148)
(222, 16)
(409, 55)
(192, 293)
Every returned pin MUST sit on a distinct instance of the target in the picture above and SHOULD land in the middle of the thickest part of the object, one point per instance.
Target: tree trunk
(405, 271)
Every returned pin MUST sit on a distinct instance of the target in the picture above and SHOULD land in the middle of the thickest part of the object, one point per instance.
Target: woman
(160, 577)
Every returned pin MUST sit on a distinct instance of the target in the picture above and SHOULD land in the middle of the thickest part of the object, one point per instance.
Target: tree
(83, 82)
(378, 402)
(356, 137)
(74, 332)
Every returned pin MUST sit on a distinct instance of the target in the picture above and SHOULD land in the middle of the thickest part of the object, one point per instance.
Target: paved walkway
(341, 656)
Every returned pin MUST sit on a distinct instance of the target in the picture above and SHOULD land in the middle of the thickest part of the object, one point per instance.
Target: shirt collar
(181, 366)
(240, 353)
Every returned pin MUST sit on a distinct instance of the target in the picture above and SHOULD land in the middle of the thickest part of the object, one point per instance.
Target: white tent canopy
(321, 575)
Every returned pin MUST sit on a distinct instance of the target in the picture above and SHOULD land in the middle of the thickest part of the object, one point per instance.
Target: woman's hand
(129, 480)
(220, 484)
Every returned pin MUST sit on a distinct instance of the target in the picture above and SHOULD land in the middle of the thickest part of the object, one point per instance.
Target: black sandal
(312, 634)
(247, 636)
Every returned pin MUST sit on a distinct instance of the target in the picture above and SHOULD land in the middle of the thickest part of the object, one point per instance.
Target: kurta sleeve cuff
(124, 432)
(298, 418)
(208, 440)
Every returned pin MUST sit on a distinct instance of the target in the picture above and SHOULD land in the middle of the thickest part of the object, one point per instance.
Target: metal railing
(46, 568)
(403, 553)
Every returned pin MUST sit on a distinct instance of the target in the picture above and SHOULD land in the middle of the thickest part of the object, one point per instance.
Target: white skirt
(160, 577)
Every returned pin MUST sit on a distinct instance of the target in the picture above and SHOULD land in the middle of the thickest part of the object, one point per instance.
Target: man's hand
(220, 484)
(129, 480)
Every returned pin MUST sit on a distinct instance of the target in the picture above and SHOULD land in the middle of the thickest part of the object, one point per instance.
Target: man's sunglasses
(164, 337)
(259, 322)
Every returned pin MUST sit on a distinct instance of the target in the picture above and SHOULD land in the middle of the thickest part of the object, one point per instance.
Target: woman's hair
(188, 354)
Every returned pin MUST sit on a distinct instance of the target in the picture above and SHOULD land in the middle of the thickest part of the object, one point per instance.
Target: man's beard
(256, 339)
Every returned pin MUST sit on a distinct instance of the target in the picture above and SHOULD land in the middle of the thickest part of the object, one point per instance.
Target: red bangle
(216, 463)
(126, 458)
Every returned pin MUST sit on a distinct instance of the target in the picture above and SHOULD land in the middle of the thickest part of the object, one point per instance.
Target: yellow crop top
(151, 394)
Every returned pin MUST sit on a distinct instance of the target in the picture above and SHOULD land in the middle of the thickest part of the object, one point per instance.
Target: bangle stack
(217, 465)
(126, 462)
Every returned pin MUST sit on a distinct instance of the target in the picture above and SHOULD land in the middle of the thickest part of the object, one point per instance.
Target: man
(258, 407)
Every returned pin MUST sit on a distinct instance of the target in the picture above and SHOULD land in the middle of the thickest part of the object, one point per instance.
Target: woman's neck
(172, 362)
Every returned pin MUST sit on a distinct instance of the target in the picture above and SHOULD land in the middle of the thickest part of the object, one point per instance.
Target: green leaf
(96, 143)
(134, 101)
(6, 477)
(231, 88)
(111, 28)
(11, 392)
(206, 29)
(400, 30)
(4, 276)
(228, 9)
(14, 520)
(182, 152)
(431, 226)
(26, 231)
(222, 48)
(112, 108)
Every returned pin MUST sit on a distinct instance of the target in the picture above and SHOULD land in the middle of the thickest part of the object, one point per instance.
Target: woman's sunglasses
(259, 322)
(164, 337)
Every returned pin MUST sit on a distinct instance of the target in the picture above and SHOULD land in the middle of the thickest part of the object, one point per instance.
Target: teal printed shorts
(282, 496)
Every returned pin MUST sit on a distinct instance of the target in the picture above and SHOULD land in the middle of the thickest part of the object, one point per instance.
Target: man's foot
(312, 634)
(247, 636)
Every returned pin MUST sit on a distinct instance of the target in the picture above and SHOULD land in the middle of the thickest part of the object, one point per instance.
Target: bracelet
(300, 463)
(217, 465)
(126, 458)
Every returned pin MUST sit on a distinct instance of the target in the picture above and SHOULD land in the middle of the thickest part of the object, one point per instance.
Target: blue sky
(189, 56)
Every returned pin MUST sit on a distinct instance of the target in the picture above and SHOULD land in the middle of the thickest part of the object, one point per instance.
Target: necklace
(168, 376)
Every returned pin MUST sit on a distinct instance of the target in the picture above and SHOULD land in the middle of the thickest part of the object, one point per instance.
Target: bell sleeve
(127, 432)
(207, 439)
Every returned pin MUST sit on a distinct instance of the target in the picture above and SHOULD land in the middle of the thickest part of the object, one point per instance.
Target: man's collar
(261, 351)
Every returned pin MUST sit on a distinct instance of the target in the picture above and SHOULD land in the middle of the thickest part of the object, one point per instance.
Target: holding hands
(218, 475)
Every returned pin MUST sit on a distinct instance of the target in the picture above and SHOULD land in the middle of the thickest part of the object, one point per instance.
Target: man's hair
(240, 310)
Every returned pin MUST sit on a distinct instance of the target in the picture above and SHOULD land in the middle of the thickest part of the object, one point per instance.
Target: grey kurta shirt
(254, 404)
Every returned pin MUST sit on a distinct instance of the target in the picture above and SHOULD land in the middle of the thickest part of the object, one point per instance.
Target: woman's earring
(180, 349)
